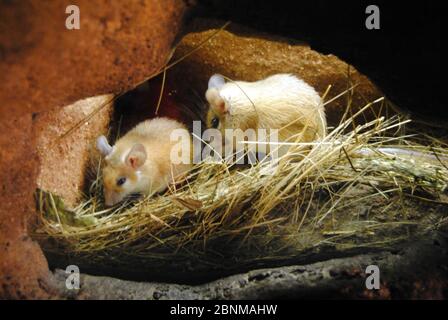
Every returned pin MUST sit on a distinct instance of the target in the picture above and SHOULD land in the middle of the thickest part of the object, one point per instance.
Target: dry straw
(344, 193)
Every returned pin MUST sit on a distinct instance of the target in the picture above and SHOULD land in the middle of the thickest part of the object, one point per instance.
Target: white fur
(279, 101)
(281, 91)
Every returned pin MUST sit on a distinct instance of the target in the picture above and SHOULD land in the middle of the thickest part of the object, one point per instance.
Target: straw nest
(342, 194)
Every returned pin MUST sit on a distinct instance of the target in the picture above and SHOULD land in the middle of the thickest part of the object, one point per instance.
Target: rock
(244, 54)
(412, 273)
(63, 162)
(23, 268)
(44, 66)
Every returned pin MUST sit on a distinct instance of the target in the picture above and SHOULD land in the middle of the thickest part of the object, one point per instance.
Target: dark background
(405, 58)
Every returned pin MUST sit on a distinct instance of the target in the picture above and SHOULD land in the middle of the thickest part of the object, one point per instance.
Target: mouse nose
(108, 203)
(109, 198)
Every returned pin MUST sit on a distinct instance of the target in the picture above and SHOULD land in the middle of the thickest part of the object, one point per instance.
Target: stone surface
(63, 162)
(244, 54)
(44, 66)
(414, 272)
(23, 267)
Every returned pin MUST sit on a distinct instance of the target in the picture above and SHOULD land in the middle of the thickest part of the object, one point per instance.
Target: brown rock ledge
(44, 66)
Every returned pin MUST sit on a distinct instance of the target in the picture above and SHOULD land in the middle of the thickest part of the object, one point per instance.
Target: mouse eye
(215, 122)
(121, 181)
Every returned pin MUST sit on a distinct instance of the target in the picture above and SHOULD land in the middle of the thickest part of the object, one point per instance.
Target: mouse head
(121, 174)
(218, 109)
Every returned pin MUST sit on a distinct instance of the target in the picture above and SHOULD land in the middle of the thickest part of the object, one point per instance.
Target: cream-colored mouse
(142, 160)
(281, 101)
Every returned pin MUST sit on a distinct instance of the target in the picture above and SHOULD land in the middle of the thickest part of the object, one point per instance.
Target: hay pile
(344, 194)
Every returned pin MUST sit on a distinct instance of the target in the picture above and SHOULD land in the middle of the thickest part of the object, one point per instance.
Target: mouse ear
(137, 156)
(103, 145)
(216, 81)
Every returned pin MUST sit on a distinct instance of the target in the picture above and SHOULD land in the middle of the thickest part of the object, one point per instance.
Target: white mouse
(281, 101)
